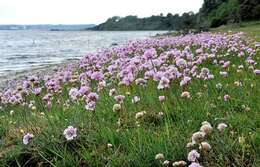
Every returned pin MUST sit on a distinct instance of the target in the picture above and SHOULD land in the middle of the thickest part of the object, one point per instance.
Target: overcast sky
(87, 11)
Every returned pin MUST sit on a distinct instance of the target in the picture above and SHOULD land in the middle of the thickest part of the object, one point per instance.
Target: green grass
(136, 144)
(252, 29)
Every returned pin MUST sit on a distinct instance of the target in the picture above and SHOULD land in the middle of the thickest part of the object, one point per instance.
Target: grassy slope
(251, 28)
(137, 146)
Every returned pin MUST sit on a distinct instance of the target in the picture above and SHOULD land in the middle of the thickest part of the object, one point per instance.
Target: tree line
(213, 13)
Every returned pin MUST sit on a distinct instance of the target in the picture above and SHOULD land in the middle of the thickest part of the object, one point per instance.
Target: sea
(23, 50)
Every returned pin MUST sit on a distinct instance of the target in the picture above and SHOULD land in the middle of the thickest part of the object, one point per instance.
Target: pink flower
(84, 90)
(149, 54)
(164, 83)
(186, 94)
(226, 64)
(226, 97)
(185, 81)
(161, 98)
(257, 72)
(119, 99)
(92, 96)
(37, 91)
(27, 138)
(195, 164)
(70, 133)
(97, 76)
(181, 63)
(91, 105)
(193, 156)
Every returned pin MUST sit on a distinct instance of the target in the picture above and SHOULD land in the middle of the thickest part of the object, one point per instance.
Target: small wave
(17, 56)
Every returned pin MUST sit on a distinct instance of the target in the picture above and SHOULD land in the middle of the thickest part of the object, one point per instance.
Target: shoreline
(11, 79)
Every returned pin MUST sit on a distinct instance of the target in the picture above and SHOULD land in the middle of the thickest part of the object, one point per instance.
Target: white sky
(87, 11)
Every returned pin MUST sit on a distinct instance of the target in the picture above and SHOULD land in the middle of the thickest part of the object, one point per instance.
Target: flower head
(193, 156)
(27, 138)
(221, 127)
(159, 156)
(70, 133)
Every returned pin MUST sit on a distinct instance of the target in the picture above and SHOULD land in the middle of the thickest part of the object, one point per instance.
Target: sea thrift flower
(140, 81)
(223, 73)
(11, 112)
(140, 114)
(179, 164)
(195, 164)
(197, 137)
(226, 64)
(186, 94)
(161, 98)
(70, 133)
(97, 76)
(117, 107)
(149, 54)
(37, 91)
(221, 127)
(159, 156)
(219, 86)
(257, 72)
(185, 81)
(112, 92)
(92, 96)
(206, 128)
(193, 156)
(166, 163)
(205, 146)
(190, 145)
(164, 83)
(109, 145)
(119, 98)
(136, 99)
(91, 105)
(237, 84)
(181, 63)
(74, 93)
(226, 97)
(84, 90)
(27, 138)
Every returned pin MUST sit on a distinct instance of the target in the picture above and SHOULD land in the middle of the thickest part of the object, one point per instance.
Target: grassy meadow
(142, 104)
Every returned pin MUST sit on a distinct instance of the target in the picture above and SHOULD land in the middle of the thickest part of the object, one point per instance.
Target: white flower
(221, 127)
(140, 114)
(109, 145)
(135, 99)
(205, 146)
(159, 156)
(117, 107)
(179, 164)
(70, 133)
(166, 163)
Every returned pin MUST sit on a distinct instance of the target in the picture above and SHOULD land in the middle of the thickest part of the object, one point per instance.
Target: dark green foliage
(213, 13)
(159, 22)
(221, 12)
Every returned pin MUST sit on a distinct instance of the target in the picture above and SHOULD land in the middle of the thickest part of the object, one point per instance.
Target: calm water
(27, 49)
